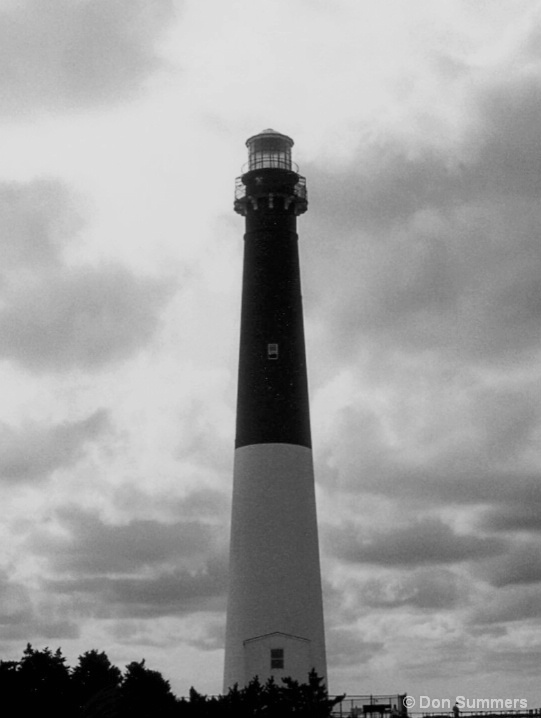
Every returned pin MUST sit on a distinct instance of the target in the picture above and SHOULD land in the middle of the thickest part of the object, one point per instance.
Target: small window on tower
(272, 351)
(277, 658)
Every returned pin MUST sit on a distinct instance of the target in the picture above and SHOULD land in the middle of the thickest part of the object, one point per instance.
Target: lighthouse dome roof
(277, 136)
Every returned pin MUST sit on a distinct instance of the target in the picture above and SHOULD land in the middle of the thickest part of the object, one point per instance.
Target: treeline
(42, 684)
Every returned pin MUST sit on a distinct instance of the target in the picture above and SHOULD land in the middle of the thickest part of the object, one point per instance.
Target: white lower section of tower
(275, 612)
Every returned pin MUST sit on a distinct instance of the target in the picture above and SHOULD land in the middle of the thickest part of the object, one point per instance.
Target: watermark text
(463, 703)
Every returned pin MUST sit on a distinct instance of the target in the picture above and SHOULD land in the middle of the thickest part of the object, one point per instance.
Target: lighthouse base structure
(275, 612)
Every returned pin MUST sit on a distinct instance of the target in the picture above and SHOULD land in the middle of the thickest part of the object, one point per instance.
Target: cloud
(164, 593)
(346, 648)
(510, 605)
(15, 601)
(390, 180)
(54, 316)
(87, 546)
(431, 589)
(434, 440)
(208, 505)
(142, 569)
(76, 53)
(439, 249)
(514, 516)
(422, 261)
(463, 484)
(520, 566)
(448, 284)
(39, 626)
(424, 542)
(205, 503)
(523, 661)
(81, 318)
(34, 451)
(509, 158)
(36, 220)
(24, 618)
(212, 636)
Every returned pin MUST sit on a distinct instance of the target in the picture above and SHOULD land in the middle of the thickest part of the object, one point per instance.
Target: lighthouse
(274, 611)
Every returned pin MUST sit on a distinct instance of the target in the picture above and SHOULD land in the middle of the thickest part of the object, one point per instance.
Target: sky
(416, 124)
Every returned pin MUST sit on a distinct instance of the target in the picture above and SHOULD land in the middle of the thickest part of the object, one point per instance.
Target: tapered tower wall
(275, 613)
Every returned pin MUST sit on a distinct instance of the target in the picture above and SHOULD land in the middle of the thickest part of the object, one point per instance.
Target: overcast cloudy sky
(417, 125)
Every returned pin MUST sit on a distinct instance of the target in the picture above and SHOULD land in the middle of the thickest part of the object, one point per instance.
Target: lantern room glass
(269, 150)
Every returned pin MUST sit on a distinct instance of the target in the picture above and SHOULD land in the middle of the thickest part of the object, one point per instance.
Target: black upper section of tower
(272, 403)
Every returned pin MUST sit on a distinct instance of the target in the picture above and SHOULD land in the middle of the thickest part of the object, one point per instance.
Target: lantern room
(269, 149)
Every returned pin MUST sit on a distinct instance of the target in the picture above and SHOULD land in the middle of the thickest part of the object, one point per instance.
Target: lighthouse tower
(274, 612)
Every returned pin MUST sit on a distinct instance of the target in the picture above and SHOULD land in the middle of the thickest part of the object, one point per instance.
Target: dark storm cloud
(38, 628)
(464, 284)
(388, 183)
(471, 455)
(425, 542)
(509, 160)
(521, 565)
(421, 250)
(509, 605)
(90, 547)
(15, 602)
(467, 483)
(168, 593)
(80, 318)
(141, 569)
(22, 619)
(33, 451)
(514, 517)
(75, 53)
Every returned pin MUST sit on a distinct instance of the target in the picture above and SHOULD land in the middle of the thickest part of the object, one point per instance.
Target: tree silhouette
(44, 684)
(41, 683)
(96, 685)
(10, 689)
(272, 700)
(309, 699)
(146, 693)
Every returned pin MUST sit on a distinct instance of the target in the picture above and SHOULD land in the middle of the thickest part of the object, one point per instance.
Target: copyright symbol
(409, 701)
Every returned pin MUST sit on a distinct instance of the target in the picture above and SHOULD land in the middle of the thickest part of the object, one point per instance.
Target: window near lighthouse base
(277, 658)
(272, 351)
